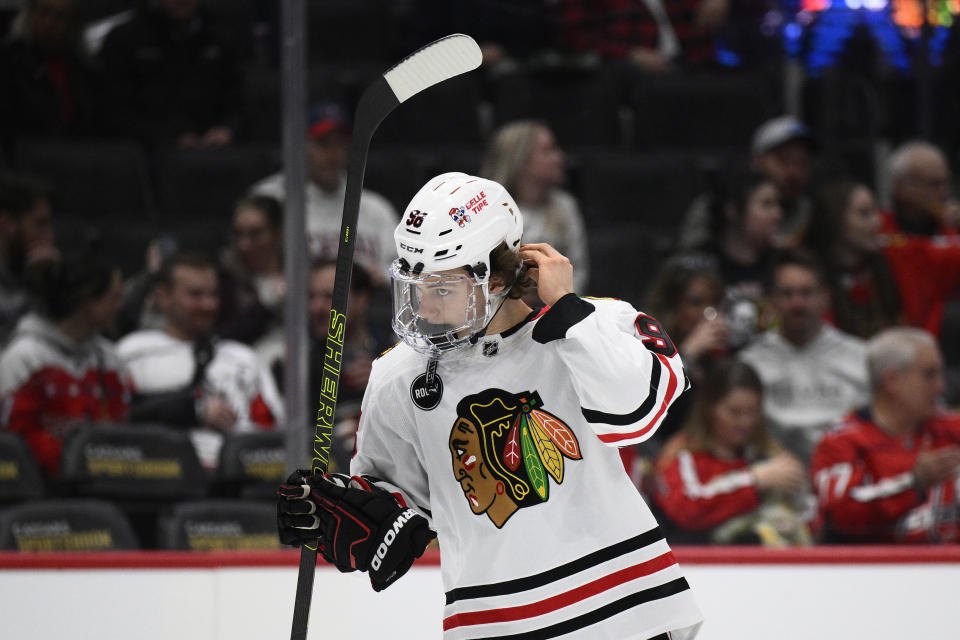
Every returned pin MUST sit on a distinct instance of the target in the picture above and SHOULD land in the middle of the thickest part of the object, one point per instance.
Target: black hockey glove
(360, 526)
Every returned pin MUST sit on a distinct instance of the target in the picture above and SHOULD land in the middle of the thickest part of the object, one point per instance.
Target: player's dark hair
(190, 259)
(271, 208)
(61, 287)
(505, 266)
(722, 378)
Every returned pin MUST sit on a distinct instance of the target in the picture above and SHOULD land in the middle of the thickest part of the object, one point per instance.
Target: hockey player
(497, 427)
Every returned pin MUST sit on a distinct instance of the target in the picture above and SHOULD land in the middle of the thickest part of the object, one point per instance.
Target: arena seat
(581, 106)
(131, 461)
(141, 468)
(397, 173)
(349, 30)
(446, 113)
(66, 525)
(93, 179)
(220, 525)
(694, 111)
(252, 465)
(20, 477)
(205, 183)
(652, 189)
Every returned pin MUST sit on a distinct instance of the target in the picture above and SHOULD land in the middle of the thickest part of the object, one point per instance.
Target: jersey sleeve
(853, 501)
(386, 451)
(624, 367)
(22, 401)
(694, 500)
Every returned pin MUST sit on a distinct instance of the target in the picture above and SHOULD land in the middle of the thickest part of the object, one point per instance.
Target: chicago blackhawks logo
(505, 448)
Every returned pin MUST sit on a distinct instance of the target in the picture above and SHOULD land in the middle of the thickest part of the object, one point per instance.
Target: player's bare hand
(933, 467)
(550, 269)
(782, 472)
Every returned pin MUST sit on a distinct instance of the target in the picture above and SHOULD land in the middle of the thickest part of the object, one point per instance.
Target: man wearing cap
(782, 149)
(328, 143)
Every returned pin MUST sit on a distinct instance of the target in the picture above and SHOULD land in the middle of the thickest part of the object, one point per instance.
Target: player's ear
(496, 284)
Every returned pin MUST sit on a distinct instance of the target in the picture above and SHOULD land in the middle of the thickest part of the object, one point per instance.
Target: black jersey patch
(424, 396)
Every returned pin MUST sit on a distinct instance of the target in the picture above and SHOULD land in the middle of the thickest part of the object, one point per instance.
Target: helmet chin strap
(479, 334)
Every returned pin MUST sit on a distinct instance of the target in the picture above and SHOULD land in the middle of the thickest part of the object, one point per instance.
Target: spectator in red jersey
(58, 373)
(920, 233)
(654, 35)
(844, 233)
(184, 376)
(890, 473)
(723, 479)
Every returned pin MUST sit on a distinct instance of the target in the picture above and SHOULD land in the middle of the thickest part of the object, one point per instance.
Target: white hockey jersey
(512, 453)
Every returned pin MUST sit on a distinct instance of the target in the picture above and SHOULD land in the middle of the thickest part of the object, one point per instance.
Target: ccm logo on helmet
(407, 247)
(388, 539)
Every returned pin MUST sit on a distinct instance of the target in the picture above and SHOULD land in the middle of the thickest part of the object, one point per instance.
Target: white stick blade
(434, 63)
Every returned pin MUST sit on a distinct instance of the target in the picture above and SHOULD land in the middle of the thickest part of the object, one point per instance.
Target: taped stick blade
(433, 63)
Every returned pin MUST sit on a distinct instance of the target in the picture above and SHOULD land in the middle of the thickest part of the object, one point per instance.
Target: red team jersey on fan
(927, 270)
(699, 491)
(50, 384)
(864, 480)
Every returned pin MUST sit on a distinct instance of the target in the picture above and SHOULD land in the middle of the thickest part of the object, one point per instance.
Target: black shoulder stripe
(563, 314)
(636, 415)
(665, 590)
(552, 575)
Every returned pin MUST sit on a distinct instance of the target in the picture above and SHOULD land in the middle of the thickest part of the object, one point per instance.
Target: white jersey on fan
(374, 248)
(160, 363)
(512, 453)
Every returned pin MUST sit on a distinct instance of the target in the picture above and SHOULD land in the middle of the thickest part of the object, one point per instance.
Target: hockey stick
(425, 67)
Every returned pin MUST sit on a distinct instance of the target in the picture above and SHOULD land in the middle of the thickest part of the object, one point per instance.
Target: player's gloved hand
(360, 525)
(297, 522)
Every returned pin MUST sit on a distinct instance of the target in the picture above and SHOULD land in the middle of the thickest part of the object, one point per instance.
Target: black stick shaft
(377, 101)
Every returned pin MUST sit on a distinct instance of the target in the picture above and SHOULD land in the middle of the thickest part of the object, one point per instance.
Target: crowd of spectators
(813, 323)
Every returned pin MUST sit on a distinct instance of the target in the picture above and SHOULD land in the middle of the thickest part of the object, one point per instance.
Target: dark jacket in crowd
(168, 78)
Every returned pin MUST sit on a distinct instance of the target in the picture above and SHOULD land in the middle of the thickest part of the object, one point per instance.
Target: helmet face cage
(438, 314)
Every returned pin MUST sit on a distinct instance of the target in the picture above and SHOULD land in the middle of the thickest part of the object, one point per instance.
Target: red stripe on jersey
(668, 398)
(562, 600)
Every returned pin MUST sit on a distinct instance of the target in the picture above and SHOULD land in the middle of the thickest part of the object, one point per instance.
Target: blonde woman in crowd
(525, 158)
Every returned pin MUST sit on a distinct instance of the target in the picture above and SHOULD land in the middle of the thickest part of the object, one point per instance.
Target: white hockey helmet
(444, 242)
